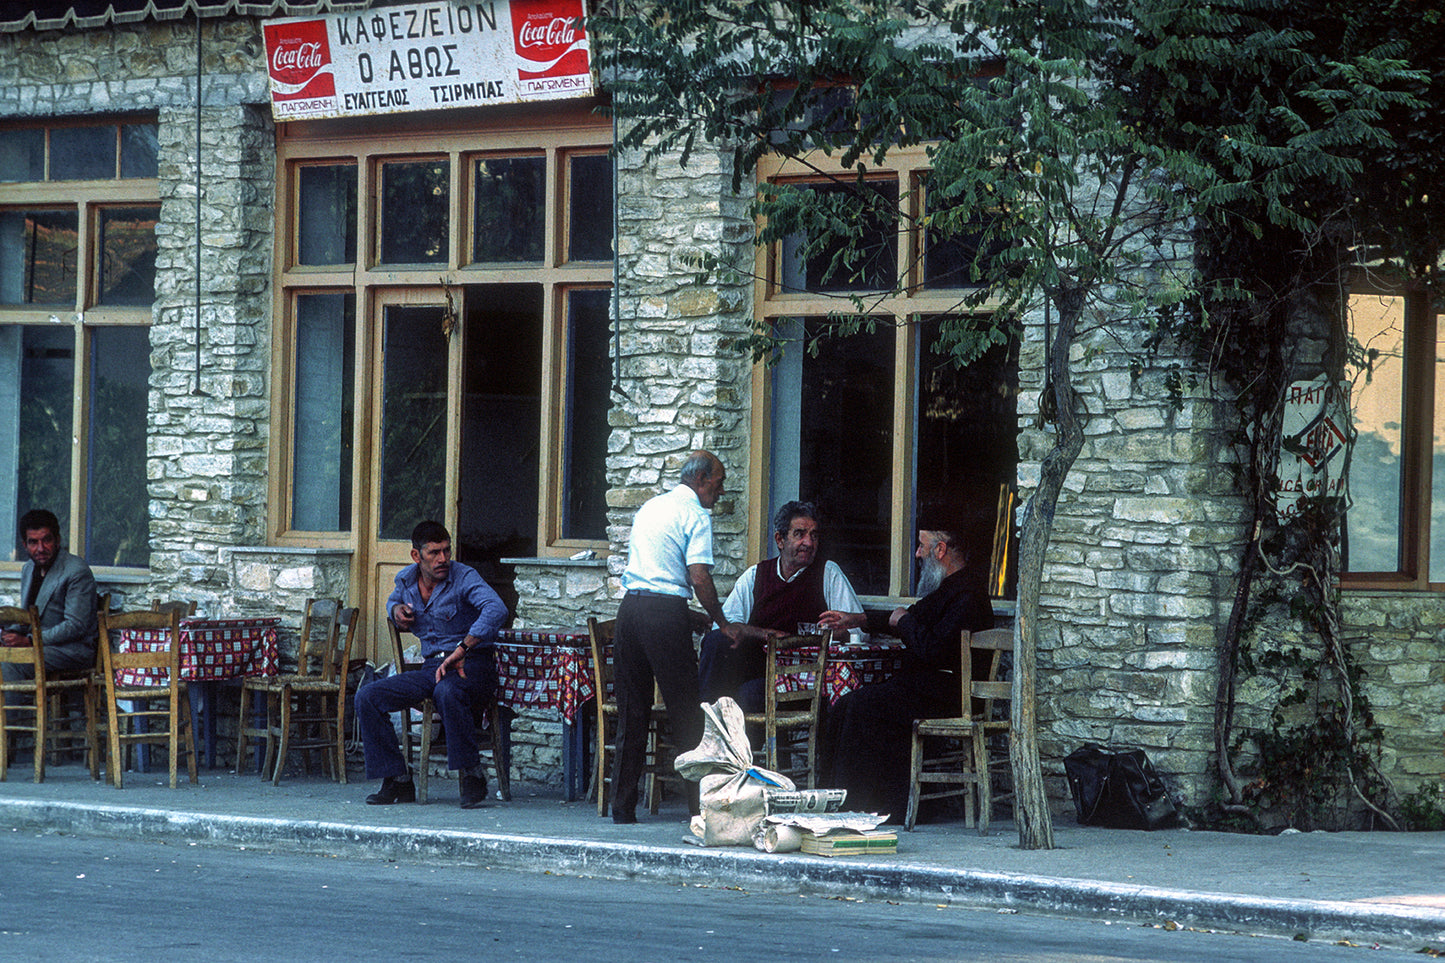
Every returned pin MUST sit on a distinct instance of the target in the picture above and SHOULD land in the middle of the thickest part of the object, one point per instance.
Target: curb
(1404, 926)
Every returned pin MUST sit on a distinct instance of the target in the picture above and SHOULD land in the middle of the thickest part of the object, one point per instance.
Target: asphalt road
(74, 899)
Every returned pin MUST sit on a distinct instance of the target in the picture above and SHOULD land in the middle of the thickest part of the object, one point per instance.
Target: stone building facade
(1147, 537)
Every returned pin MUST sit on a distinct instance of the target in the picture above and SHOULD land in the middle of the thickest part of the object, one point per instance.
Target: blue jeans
(454, 696)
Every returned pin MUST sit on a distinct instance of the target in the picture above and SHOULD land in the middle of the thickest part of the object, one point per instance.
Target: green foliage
(1424, 809)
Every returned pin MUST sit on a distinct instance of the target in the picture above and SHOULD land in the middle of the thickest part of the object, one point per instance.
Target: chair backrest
(805, 664)
(316, 648)
(32, 655)
(398, 655)
(990, 644)
(347, 621)
(112, 625)
(600, 634)
(183, 607)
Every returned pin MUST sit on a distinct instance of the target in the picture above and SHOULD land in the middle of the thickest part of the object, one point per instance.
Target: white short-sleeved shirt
(669, 533)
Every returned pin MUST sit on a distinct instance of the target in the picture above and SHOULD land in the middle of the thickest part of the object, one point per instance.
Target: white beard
(931, 576)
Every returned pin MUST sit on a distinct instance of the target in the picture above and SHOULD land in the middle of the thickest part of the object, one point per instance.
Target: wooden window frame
(87, 198)
(908, 168)
(556, 136)
(1422, 332)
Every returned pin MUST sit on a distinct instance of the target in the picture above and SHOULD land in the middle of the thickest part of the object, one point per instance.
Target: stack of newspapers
(812, 821)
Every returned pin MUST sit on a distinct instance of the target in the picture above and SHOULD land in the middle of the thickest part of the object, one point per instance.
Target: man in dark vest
(777, 596)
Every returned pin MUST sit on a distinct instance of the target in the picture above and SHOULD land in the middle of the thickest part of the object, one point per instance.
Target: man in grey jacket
(62, 588)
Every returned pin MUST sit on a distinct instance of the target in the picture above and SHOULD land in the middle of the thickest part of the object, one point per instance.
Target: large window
(79, 205)
(445, 303)
(1395, 524)
(880, 428)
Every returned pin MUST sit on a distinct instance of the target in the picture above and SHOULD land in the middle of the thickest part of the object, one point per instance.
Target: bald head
(703, 472)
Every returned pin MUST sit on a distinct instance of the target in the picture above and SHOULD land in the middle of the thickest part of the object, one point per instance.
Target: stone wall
(682, 387)
(210, 404)
(1398, 641)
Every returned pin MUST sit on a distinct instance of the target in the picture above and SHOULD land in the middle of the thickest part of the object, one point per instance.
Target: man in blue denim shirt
(455, 615)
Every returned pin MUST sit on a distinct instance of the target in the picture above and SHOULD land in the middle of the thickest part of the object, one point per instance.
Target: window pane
(589, 206)
(413, 420)
(1372, 522)
(949, 253)
(589, 397)
(37, 257)
(22, 156)
(498, 504)
(326, 223)
(871, 264)
(1437, 484)
(322, 442)
(82, 153)
(118, 511)
(511, 197)
(37, 369)
(128, 255)
(832, 443)
(414, 198)
(967, 438)
(139, 147)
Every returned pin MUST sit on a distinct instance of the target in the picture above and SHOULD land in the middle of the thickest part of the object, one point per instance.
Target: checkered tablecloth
(211, 649)
(545, 669)
(552, 669)
(849, 666)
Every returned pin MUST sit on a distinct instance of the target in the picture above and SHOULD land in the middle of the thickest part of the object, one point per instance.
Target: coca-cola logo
(557, 33)
(549, 39)
(299, 60)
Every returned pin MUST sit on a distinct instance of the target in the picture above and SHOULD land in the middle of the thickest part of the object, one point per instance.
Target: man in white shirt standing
(777, 596)
(669, 558)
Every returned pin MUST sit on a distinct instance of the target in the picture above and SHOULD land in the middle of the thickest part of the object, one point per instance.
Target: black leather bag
(1118, 789)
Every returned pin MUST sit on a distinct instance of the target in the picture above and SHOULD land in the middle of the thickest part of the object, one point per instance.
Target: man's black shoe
(393, 791)
(623, 819)
(474, 791)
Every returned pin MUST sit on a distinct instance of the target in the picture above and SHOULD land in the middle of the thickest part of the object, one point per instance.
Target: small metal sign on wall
(430, 56)
(1315, 444)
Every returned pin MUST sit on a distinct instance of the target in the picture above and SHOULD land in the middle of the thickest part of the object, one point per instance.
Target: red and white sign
(1314, 444)
(430, 56)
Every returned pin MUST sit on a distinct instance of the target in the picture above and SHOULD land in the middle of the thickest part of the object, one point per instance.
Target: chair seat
(944, 727)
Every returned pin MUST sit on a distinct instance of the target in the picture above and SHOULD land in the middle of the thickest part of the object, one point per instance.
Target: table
(551, 668)
(211, 650)
(850, 665)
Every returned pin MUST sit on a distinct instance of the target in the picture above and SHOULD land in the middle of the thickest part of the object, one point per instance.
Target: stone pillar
(209, 407)
(682, 386)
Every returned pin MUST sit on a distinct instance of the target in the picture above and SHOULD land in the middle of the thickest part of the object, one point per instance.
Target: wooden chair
(135, 721)
(795, 712)
(432, 741)
(184, 608)
(36, 697)
(314, 706)
(601, 634)
(316, 654)
(964, 766)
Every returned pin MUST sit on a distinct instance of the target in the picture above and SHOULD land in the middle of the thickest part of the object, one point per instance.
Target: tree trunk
(1031, 802)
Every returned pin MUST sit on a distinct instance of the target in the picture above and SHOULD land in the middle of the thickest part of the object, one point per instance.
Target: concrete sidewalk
(1363, 887)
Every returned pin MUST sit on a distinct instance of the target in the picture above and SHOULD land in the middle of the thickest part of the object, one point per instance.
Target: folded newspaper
(784, 832)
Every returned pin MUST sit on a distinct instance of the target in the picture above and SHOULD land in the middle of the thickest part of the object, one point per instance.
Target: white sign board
(430, 56)
(1314, 444)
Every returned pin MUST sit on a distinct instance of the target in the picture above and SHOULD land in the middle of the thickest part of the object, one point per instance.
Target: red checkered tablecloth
(849, 666)
(552, 668)
(211, 649)
(545, 669)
